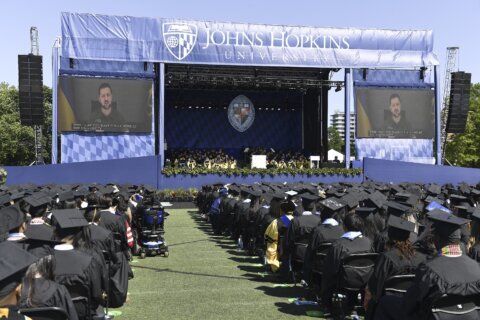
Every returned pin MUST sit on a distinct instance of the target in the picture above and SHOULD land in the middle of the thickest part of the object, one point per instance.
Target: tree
(464, 149)
(17, 142)
(335, 141)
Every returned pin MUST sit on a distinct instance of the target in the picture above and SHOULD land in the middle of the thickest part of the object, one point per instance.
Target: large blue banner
(210, 129)
(90, 36)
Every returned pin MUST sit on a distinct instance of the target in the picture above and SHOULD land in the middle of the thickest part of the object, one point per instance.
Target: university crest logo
(241, 113)
(179, 38)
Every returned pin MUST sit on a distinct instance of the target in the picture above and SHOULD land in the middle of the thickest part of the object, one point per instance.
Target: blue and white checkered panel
(80, 147)
(407, 77)
(410, 150)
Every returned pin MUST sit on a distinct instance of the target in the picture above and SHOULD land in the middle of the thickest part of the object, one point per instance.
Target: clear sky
(454, 23)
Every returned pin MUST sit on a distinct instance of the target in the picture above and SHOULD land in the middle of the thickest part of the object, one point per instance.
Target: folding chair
(398, 285)
(452, 306)
(355, 271)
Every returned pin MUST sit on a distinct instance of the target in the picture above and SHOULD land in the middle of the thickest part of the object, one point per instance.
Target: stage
(147, 170)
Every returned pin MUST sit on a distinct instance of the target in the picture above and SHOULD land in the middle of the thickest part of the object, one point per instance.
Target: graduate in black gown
(78, 271)
(474, 252)
(451, 272)
(299, 233)
(399, 258)
(40, 290)
(351, 242)
(327, 231)
(13, 264)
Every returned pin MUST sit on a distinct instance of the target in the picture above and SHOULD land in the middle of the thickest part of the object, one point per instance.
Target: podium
(314, 161)
(259, 161)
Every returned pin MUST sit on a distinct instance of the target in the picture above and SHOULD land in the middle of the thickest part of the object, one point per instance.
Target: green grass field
(205, 277)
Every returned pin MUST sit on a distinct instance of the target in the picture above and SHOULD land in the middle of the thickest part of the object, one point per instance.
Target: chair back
(81, 300)
(319, 257)
(461, 307)
(399, 284)
(355, 270)
(45, 313)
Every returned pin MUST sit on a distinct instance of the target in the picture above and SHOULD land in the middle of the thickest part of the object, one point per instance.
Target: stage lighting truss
(198, 77)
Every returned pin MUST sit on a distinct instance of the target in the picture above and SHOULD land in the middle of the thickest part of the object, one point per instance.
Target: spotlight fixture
(338, 88)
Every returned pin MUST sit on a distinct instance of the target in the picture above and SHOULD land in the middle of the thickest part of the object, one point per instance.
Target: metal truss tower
(35, 50)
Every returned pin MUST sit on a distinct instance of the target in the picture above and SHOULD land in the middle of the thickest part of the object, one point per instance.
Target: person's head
(353, 222)
(13, 265)
(105, 95)
(395, 105)
(43, 268)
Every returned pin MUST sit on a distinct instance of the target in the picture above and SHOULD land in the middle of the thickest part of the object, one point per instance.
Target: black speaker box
(458, 106)
(30, 89)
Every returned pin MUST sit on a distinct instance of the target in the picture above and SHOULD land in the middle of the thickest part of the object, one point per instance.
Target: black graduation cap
(308, 198)
(278, 196)
(464, 211)
(69, 218)
(350, 200)
(395, 188)
(5, 199)
(376, 199)
(11, 217)
(364, 212)
(66, 196)
(15, 195)
(430, 199)
(396, 209)
(40, 232)
(80, 192)
(476, 214)
(149, 189)
(38, 199)
(399, 229)
(446, 224)
(14, 262)
(457, 199)
(287, 206)
(402, 195)
(434, 189)
(332, 204)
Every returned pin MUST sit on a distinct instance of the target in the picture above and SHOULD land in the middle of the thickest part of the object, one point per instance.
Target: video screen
(104, 105)
(396, 113)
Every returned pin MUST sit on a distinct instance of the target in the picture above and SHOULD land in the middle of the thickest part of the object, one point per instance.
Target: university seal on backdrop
(180, 38)
(241, 113)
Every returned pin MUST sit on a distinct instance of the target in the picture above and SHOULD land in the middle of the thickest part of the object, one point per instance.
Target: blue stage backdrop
(204, 128)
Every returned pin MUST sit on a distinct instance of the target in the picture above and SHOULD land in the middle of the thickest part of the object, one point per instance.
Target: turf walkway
(205, 277)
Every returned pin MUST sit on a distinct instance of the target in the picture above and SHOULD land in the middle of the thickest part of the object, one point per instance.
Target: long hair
(405, 248)
(43, 268)
(275, 210)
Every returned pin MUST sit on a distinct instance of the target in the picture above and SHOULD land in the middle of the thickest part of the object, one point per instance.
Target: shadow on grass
(294, 310)
(187, 242)
(251, 268)
(246, 259)
(283, 292)
(188, 273)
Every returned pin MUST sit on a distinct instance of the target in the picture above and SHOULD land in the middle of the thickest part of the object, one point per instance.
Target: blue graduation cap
(435, 205)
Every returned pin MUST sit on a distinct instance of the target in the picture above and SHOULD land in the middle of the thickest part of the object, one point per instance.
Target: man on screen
(396, 124)
(107, 113)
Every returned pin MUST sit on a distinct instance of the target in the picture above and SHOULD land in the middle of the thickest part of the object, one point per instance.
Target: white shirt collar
(63, 247)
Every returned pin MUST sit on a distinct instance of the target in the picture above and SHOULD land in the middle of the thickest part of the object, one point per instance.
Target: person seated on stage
(191, 163)
(39, 288)
(13, 264)
(232, 163)
(399, 258)
(451, 272)
(352, 241)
